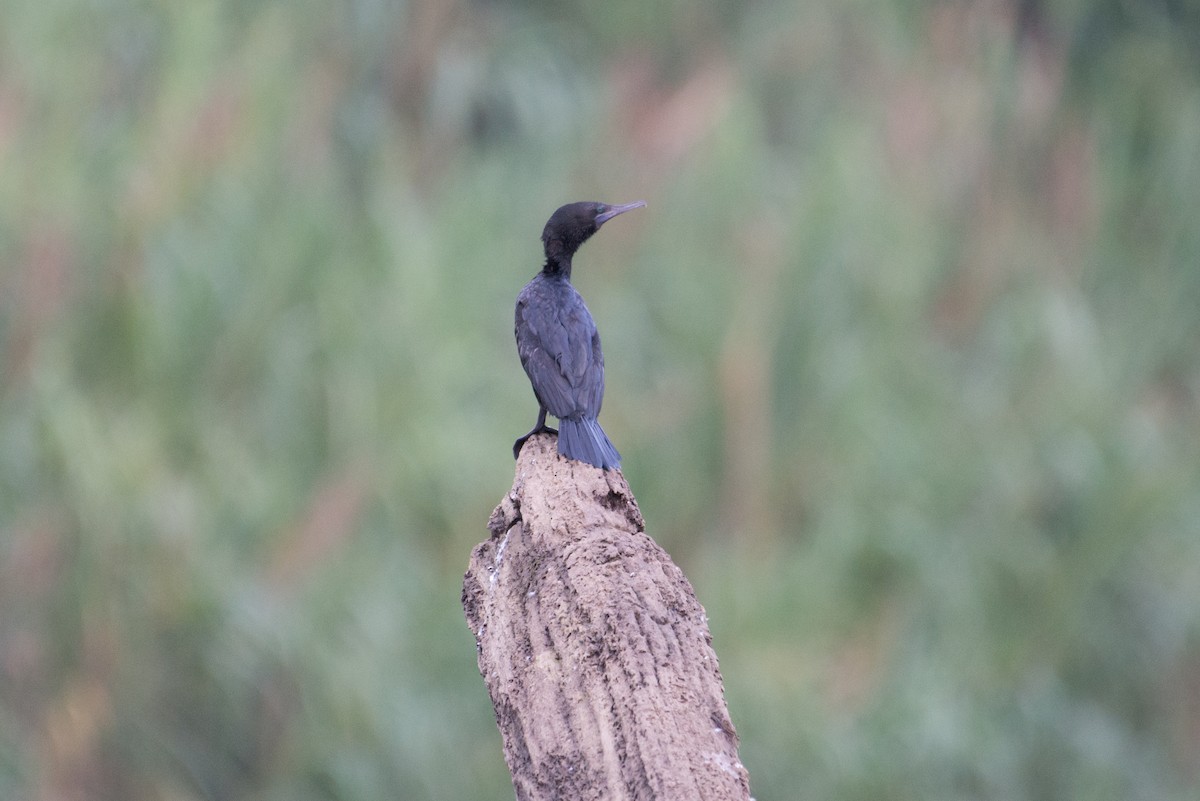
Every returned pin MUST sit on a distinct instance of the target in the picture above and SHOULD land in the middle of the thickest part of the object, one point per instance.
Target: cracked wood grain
(593, 647)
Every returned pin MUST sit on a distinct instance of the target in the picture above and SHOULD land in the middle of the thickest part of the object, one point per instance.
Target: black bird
(558, 342)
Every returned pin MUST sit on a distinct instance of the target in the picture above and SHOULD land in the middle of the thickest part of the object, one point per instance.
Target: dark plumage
(558, 342)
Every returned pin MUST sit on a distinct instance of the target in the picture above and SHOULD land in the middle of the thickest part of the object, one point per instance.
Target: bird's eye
(600, 209)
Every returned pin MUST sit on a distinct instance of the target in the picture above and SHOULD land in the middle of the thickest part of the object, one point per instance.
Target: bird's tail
(585, 441)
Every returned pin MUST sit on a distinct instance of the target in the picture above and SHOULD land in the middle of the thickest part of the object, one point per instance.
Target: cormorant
(558, 342)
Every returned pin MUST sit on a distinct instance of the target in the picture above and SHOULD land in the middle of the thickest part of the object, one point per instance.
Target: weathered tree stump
(593, 647)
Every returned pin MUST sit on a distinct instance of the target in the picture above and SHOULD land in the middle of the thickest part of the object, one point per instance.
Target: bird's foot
(520, 443)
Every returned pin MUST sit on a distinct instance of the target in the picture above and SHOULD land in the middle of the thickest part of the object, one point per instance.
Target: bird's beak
(613, 211)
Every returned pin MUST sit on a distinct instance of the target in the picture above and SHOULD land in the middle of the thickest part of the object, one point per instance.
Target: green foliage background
(904, 363)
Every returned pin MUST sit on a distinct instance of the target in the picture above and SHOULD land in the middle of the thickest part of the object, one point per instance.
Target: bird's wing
(593, 385)
(575, 344)
(545, 346)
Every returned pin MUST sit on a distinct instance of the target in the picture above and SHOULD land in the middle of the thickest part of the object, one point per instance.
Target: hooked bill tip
(613, 211)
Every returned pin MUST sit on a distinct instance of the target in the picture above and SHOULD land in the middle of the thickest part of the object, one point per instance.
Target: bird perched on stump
(558, 342)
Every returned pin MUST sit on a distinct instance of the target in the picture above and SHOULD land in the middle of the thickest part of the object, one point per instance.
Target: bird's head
(572, 224)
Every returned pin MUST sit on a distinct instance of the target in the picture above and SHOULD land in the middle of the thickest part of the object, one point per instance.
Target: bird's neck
(558, 267)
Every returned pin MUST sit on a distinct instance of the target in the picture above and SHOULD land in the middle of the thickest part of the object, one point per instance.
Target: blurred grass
(903, 359)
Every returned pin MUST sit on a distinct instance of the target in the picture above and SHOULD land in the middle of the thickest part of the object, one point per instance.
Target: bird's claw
(520, 443)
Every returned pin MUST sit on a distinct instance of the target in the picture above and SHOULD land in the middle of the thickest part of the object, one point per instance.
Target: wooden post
(593, 647)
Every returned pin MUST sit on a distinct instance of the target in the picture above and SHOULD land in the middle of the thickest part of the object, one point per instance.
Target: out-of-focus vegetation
(904, 363)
